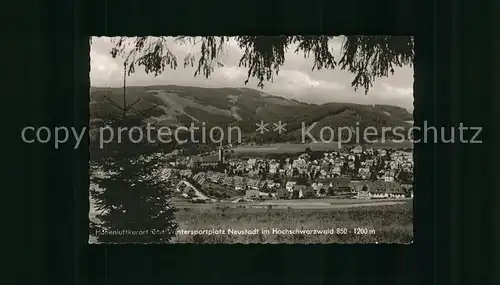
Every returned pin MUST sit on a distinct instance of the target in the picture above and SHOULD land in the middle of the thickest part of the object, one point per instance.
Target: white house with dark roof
(358, 149)
(253, 184)
(289, 185)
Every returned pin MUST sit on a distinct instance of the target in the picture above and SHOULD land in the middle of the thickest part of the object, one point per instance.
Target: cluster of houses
(358, 162)
(357, 172)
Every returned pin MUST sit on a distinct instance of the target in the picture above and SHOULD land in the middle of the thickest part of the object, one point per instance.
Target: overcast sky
(295, 79)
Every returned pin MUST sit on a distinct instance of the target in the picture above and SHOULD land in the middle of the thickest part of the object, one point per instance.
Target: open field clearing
(295, 204)
(285, 147)
(382, 221)
(328, 203)
(382, 224)
(300, 147)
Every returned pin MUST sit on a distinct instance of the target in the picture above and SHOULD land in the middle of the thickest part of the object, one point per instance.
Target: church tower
(221, 153)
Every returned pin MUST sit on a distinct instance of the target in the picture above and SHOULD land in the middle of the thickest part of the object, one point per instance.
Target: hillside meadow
(281, 148)
(385, 224)
(244, 107)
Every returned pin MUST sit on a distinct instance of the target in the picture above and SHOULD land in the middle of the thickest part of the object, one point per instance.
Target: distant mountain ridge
(244, 107)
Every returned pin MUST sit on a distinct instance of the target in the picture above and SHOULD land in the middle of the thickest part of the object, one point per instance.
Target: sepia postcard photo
(251, 139)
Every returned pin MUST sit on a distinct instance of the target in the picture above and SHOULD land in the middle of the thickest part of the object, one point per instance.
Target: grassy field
(299, 147)
(381, 224)
(284, 147)
(325, 203)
